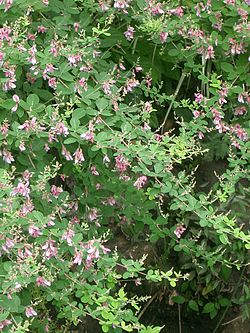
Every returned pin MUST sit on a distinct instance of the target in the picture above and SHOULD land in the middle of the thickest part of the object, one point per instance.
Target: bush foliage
(109, 110)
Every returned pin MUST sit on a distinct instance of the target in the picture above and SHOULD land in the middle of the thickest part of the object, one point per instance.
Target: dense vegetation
(124, 166)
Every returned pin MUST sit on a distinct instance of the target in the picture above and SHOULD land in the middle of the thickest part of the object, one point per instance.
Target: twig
(230, 321)
(147, 305)
(183, 75)
(226, 309)
(30, 159)
(179, 318)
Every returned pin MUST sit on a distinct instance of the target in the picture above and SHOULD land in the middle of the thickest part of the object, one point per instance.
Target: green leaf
(32, 100)
(224, 239)
(178, 299)
(79, 113)
(4, 315)
(227, 67)
(102, 103)
(105, 314)
(174, 52)
(172, 283)
(75, 123)
(70, 140)
(126, 127)
(105, 328)
(193, 305)
(209, 307)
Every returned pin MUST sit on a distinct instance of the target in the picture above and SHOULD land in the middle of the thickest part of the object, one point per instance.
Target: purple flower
(22, 189)
(40, 281)
(163, 36)
(121, 163)
(30, 312)
(50, 249)
(129, 34)
(34, 231)
(140, 182)
(179, 231)
(78, 154)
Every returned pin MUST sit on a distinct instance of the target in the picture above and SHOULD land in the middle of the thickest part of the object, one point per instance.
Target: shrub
(86, 150)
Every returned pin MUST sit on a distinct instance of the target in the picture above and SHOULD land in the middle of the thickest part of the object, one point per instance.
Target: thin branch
(147, 305)
(183, 75)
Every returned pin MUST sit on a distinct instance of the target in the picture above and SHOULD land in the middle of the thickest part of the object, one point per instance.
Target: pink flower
(198, 98)
(7, 156)
(155, 8)
(82, 83)
(121, 163)
(30, 312)
(16, 100)
(196, 113)
(140, 182)
(5, 128)
(94, 171)
(26, 208)
(50, 249)
(200, 135)
(129, 34)
(122, 5)
(163, 36)
(61, 129)
(236, 47)
(77, 258)
(229, 2)
(41, 29)
(130, 85)
(40, 281)
(235, 143)
(52, 82)
(158, 137)
(22, 146)
(68, 235)
(76, 26)
(74, 59)
(34, 231)
(78, 154)
(5, 32)
(93, 214)
(111, 201)
(179, 231)
(66, 154)
(240, 110)
(106, 159)
(103, 6)
(88, 136)
(22, 189)
(7, 3)
(107, 86)
(98, 186)
(240, 132)
(4, 323)
(177, 11)
(9, 244)
(56, 190)
(209, 54)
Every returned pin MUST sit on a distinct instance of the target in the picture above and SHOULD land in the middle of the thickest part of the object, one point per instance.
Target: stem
(203, 72)
(183, 75)
(134, 45)
(226, 309)
(209, 67)
(153, 56)
(179, 316)
(147, 305)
